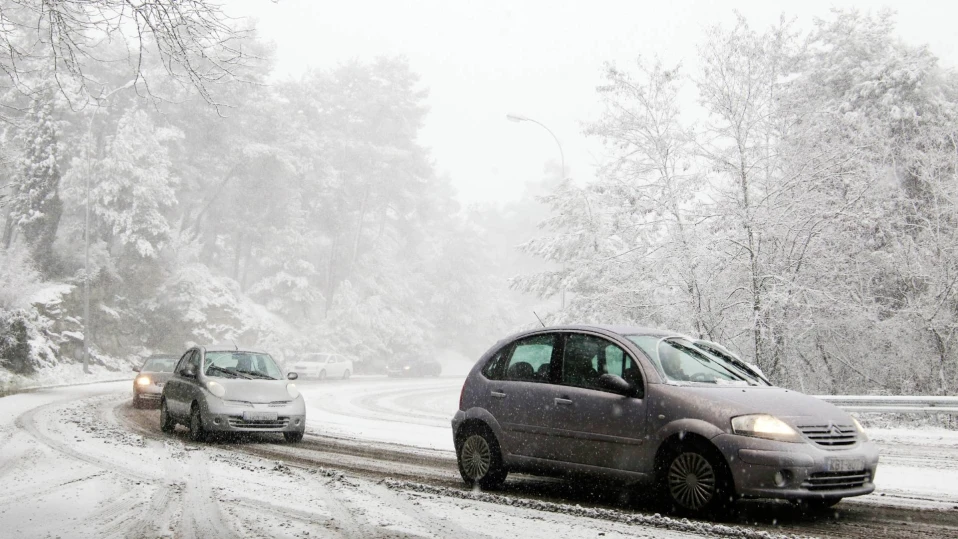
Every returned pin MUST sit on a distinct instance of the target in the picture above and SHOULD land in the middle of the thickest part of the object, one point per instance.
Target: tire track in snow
(438, 526)
(201, 518)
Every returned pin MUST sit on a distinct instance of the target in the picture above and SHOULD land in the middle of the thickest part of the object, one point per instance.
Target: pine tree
(35, 205)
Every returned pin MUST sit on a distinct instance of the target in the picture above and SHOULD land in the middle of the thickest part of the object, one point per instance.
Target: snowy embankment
(64, 374)
(918, 466)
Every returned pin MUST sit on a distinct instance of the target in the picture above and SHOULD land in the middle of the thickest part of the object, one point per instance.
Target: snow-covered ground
(70, 469)
(918, 467)
(57, 375)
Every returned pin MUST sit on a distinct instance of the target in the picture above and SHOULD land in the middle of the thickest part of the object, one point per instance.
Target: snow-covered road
(72, 469)
(378, 462)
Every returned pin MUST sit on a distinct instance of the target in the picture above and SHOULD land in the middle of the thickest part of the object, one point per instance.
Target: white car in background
(322, 366)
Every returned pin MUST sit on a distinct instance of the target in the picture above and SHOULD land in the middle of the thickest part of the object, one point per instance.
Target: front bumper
(222, 416)
(769, 469)
(151, 392)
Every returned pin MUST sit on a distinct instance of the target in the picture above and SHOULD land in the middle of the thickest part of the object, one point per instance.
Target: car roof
(623, 330)
(233, 348)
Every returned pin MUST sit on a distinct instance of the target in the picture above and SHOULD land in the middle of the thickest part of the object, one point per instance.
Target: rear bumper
(768, 469)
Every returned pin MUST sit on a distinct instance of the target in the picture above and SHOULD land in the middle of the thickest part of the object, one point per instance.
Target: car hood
(157, 377)
(254, 390)
(792, 406)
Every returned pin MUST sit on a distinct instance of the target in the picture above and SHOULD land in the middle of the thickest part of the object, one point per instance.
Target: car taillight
(462, 393)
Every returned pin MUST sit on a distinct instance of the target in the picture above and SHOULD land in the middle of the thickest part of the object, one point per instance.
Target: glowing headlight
(291, 389)
(861, 430)
(406, 368)
(764, 426)
(143, 381)
(216, 389)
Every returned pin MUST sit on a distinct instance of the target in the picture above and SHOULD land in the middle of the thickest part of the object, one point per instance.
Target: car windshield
(251, 365)
(159, 364)
(679, 360)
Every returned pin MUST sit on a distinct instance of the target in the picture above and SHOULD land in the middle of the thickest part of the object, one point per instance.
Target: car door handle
(498, 394)
(563, 402)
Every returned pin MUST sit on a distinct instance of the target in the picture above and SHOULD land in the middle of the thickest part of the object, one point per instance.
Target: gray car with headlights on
(231, 390)
(154, 373)
(692, 423)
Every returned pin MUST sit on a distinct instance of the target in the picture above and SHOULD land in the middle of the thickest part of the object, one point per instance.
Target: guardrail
(895, 405)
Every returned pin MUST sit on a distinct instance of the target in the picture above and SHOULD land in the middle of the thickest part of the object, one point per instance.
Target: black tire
(167, 424)
(346, 374)
(322, 374)
(694, 479)
(480, 458)
(137, 403)
(293, 437)
(197, 433)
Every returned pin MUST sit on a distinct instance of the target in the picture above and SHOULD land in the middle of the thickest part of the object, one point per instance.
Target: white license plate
(846, 465)
(259, 416)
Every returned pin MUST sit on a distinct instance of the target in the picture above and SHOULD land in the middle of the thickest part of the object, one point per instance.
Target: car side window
(531, 359)
(586, 357)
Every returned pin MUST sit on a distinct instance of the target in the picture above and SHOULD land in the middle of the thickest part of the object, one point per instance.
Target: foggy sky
(539, 58)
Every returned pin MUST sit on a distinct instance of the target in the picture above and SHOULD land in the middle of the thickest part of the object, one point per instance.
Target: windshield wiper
(235, 373)
(258, 375)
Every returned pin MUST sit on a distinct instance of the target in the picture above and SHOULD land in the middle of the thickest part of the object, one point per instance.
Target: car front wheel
(293, 437)
(480, 459)
(696, 480)
(166, 420)
(197, 434)
(322, 374)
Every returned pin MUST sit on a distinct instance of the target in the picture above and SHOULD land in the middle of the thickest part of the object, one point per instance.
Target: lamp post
(513, 117)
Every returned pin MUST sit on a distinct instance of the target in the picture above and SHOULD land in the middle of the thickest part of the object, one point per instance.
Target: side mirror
(615, 384)
(292, 376)
(136, 369)
(188, 371)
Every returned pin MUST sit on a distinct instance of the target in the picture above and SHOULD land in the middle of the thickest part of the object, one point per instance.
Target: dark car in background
(148, 385)
(698, 427)
(413, 366)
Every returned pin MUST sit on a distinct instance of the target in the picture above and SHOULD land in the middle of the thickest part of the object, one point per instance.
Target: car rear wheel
(197, 434)
(293, 437)
(695, 480)
(346, 374)
(480, 459)
(166, 420)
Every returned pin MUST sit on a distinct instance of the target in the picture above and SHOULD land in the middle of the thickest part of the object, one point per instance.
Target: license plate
(259, 416)
(846, 465)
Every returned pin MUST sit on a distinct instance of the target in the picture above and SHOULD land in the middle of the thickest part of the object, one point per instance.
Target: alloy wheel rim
(691, 481)
(476, 457)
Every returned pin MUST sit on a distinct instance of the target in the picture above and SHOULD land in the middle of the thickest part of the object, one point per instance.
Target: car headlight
(406, 368)
(861, 430)
(143, 380)
(216, 389)
(292, 390)
(764, 426)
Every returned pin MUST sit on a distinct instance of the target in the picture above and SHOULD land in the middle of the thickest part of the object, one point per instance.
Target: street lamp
(513, 117)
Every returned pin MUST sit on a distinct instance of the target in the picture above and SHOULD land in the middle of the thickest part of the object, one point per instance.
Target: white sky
(541, 58)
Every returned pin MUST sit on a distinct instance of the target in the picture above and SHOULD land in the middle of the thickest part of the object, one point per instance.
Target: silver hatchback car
(653, 407)
(224, 390)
